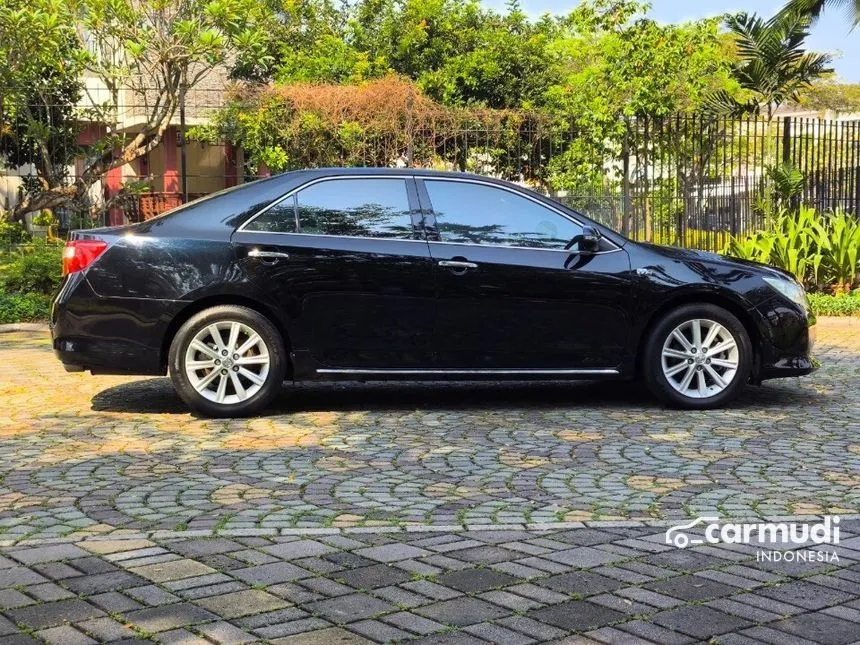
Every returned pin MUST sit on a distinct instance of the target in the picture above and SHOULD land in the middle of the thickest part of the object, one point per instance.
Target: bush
(23, 307)
(822, 251)
(33, 268)
(12, 233)
(843, 304)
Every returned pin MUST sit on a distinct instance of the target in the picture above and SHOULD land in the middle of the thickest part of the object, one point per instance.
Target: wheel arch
(745, 316)
(213, 301)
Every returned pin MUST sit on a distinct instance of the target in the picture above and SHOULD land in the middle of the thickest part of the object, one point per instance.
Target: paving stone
(431, 590)
(372, 577)
(175, 570)
(205, 546)
(298, 549)
(379, 632)
(350, 608)
(583, 557)
(576, 615)
(691, 587)
(241, 603)
(114, 602)
(286, 615)
(655, 633)
(64, 635)
(580, 582)
(484, 555)
(180, 637)
(475, 580)
(509, 600)
(462, 611)
(699, 621)
(19, 576)
(56, 570)
(498, 634)
(224, 633)
(152, 595)
(805, 594)
(820, 627)
(269, 574)
(330, 636)
(104, 582)
(392, 552)
(49, 554)
(166, 617)
(50, 614)
(12, 598)
(106, 629)
(413, 623)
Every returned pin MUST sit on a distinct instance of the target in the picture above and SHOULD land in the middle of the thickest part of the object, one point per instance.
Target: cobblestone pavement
(446, 512)
(589, 585)
(84, 455)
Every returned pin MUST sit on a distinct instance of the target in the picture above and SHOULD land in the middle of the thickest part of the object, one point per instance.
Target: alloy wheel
(700, 358)
(227, 362)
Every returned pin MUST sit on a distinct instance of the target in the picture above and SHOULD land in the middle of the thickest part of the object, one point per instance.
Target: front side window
(358, 207)
(472, 213)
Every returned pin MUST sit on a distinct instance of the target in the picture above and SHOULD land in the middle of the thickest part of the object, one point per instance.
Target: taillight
(79, 254)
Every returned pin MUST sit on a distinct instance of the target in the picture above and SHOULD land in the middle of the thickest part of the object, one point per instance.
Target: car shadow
(156, 396)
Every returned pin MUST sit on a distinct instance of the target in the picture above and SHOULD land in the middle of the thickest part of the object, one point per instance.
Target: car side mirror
(589, 241)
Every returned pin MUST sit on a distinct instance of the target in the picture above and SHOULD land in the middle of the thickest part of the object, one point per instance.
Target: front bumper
(788, 337)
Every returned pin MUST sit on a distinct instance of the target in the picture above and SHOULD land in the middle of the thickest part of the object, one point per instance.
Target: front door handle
(271, 256)
(457, 264)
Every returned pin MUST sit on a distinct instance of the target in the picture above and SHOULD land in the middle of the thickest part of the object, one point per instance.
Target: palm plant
(814, 8)
(773, 64)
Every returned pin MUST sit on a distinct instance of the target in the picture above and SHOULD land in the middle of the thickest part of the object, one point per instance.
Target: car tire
(679, 373)
(237, 373)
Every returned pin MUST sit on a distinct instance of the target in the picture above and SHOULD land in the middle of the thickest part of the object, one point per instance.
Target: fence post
(625, 183)
(786, 139)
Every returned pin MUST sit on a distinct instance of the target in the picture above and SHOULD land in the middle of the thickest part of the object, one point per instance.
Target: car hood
(695, 255)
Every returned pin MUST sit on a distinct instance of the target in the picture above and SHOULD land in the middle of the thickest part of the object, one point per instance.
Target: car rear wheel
(697, 357)
(227, 361)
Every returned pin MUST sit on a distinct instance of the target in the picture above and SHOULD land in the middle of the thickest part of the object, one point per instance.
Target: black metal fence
(688, 180)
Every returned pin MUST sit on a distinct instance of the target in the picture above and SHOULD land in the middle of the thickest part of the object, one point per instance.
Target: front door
(509, 296)
(345, 261)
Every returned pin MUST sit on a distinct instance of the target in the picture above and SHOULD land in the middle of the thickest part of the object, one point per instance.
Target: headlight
(790, 289)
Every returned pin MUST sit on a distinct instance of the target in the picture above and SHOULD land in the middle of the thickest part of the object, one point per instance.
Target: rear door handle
(267, 255)
(457, 264)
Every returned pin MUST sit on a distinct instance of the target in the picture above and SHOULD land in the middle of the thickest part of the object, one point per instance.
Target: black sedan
(405, 274)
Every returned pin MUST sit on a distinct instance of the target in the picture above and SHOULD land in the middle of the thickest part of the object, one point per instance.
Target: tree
(814, 8)
(40, 69)
(773, 66)
(147, 52)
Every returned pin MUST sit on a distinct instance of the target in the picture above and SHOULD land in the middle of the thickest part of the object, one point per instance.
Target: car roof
(418, 172)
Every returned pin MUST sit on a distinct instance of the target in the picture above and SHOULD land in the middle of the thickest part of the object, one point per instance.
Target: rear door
(509, 295)
(345, 260)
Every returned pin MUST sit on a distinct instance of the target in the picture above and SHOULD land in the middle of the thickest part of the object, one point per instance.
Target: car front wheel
(697, 357)
(227, 361)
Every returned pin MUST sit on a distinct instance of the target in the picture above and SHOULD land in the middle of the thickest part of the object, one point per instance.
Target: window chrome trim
(295, 191)
(524, 248)
(457, 371)
(479, 181)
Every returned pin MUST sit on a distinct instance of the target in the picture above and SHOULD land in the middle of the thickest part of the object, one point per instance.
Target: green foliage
(839, 242)
(23, 307)
(773, 66)
(34, 268)
(842, 304)
(12, 233)
(820, 250)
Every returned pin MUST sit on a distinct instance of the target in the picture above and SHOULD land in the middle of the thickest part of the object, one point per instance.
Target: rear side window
(472, 213)
(357, 207)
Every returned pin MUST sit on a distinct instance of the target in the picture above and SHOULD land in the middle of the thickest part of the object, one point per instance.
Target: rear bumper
(108, 335)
